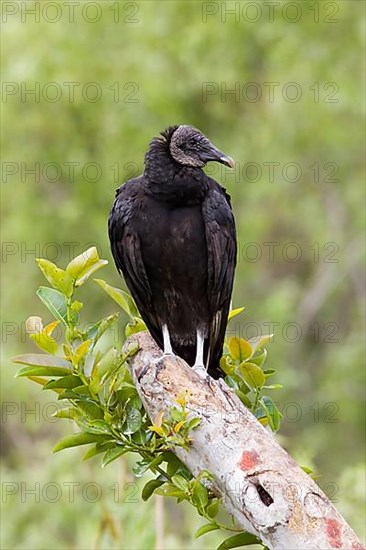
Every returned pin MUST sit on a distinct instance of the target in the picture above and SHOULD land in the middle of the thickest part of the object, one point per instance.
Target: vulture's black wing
(221, 261)
(127, 254)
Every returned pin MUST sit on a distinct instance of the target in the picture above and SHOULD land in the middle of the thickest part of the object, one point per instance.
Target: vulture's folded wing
(126, 250)
(221, 261)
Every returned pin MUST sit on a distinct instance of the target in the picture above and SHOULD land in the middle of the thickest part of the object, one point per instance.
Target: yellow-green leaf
(58, 278)
(89, 257)
(45, 342)
(122, 298)
(157, 429)
(84, 265)
(179, 425)
(42, 337)
(240, 349)
(235, 312)
(82, 350)
(252, 374)
(258, 342)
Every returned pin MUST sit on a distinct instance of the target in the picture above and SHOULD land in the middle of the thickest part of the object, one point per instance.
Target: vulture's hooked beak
(228, 161)
(214, 154)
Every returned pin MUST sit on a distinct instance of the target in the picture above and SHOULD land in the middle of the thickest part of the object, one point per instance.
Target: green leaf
(43, 371)
(176, 414)
(91, 410)
(134, 420)
(205, 474)
(213, 508)
(155, 462)
(96, 331)
(206, 529)
(122, 298)
(99, 426)
(99, 448)
(56, 303)
(242, 539)
(66, 412)
(146, 464)
(307, 470)
(173, 463)
(272, 412)
(225, 365)
(71, 381)
(126, 393)
(76, 306)
(80, 438)
(150, 487)
(113, 454)
(168, 490)
(252, 374)
(199, 495)
(269, 372)
(108, 362)
(235, 312)
(57, 277)
(136, 325)
(194, 423)
(180, 482)
(42, 360)
(141, 467)
(82, 390)
(260, 358)
(244, 399)
(84, 265)
(240, 349)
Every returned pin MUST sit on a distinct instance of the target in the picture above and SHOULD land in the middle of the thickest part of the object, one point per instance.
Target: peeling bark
(260, 484)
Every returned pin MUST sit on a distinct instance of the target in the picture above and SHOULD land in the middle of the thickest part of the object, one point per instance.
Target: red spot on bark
(333, 533)
(357, 546)
(248, 460)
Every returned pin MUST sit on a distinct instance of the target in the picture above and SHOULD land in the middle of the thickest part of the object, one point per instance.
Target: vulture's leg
(167, 344)
(198, 364)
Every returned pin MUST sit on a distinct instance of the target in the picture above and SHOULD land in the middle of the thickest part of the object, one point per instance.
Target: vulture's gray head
(188, 146)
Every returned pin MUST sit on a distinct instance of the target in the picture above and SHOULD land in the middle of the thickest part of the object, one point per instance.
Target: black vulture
(172, 235)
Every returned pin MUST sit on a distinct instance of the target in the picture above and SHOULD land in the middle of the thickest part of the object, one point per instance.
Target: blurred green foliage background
(107, 77)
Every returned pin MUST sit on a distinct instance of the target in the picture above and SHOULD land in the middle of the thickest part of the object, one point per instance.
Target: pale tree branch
(269, 495)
